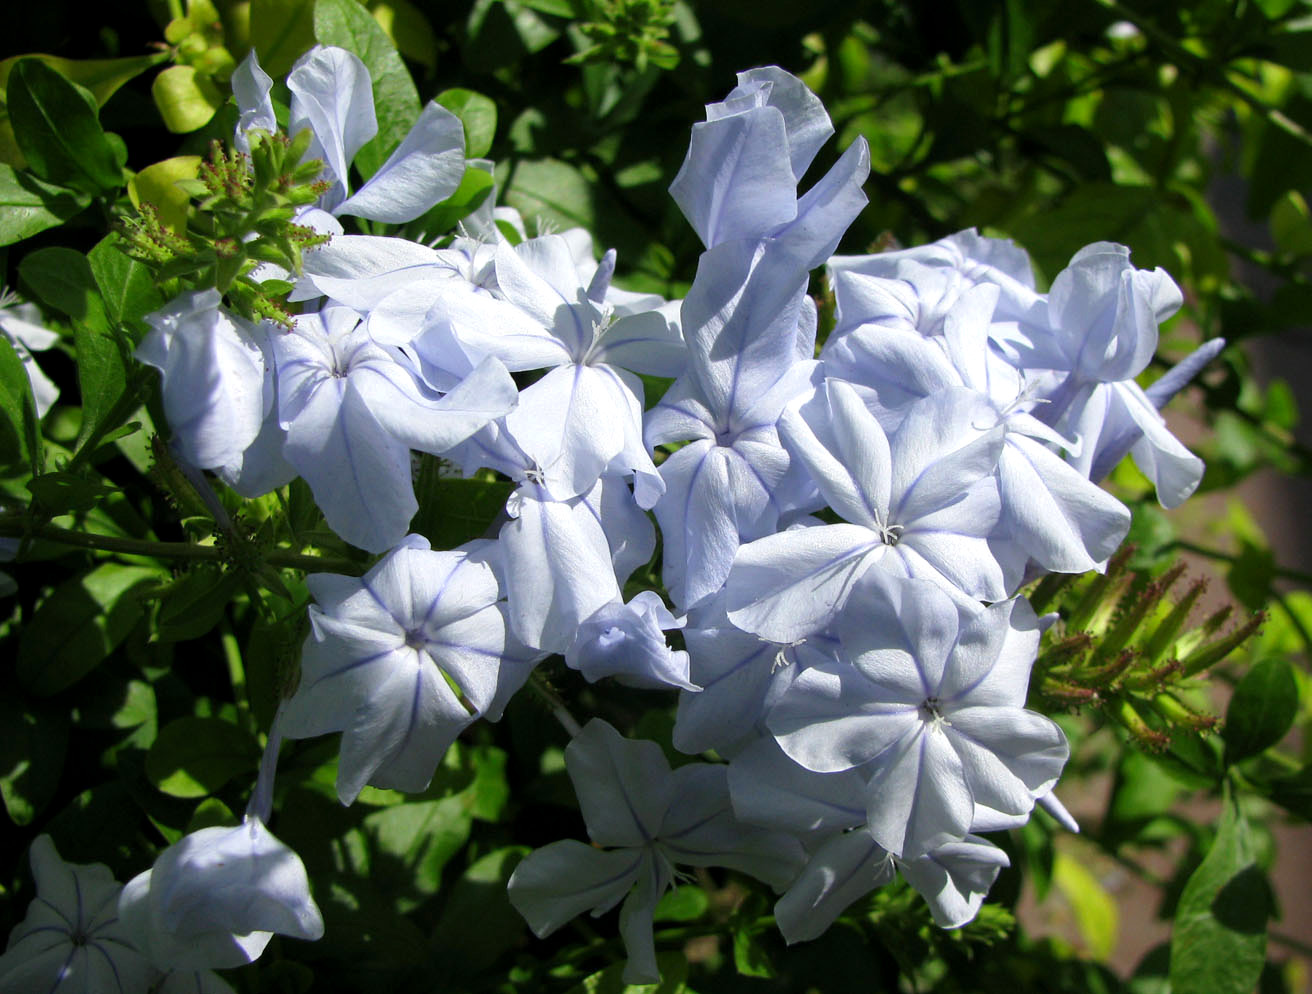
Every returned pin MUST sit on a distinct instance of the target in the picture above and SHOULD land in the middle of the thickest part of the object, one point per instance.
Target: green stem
(554, 702)
(1284, 572)
(237, 676)
(18, 527)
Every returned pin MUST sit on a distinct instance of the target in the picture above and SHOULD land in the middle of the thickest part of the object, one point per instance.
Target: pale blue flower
(649, 820)
(71, 941)
(401, 660)
(216, 897)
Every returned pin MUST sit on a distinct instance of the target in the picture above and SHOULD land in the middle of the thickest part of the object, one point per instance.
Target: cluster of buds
(243, 237)
(1124, 645)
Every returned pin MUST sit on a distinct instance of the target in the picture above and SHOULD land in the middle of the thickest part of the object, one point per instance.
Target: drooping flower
(216, 897)
(627, 642)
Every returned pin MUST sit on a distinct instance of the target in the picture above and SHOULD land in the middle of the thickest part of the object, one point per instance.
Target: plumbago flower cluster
(843, 537)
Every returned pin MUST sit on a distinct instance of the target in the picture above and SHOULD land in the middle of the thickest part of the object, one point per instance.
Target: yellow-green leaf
(1095, 909)
(186, 99)
(157, 184)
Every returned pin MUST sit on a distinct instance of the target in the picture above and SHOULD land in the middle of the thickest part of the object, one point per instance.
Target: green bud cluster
(1126, 645)
(628, 31)
(242, 215)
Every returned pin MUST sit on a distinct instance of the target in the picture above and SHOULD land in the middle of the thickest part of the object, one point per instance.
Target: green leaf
(102, 77)
(552, 191)
(1261, 711)
(281, 32)
(557, 8)
(56, 126)
(453, 510)
(346, 24)
(683, 904)
(211, 813)
(195, 603)
(75, 628)
(194, 757)
(408, 28)
(478, 923)
(126, 286)
(32, 754)
(62, 279)
(1218, 945)
(186, 99)
(27, 205)
(1294, 792)
(158, 184)
(20, 436)
(1291, 228)
(419, 838)
(60, 493)
(475, 187)
(108, 702)
(477, 113)
(749, 956)
(1095, 909)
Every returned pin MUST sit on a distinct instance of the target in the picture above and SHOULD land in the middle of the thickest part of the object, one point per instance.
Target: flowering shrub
(787, 561)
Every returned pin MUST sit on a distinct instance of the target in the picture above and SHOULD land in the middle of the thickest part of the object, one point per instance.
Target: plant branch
(19, 527)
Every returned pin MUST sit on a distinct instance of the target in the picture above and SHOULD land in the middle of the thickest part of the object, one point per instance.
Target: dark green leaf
(1263, 707)
(477, 113)
(478, 924)
(27, 205)
(63, 279)
(194, 757)
(126, 286)
(453, 510)
(195, 603)
(61, 492)
(347, 24)
(1294, 792)
(78, 625)
(1251, 574)
(31, 756)
(57, 127)
(109, 701)
(1219, 942)
(20, 435)
(418, 838)
(281, 32)
(211, 813)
